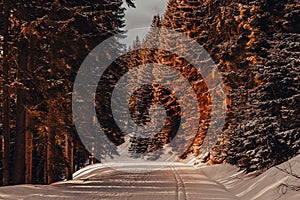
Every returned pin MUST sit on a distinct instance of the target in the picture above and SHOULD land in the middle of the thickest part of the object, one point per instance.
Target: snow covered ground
(178, 181)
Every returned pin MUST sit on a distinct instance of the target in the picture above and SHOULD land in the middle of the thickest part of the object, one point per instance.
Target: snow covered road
(177, 181)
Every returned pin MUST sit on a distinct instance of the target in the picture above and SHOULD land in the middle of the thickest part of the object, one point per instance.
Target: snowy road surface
(177, 181)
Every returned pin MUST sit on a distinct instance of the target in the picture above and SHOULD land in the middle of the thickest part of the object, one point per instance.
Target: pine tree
(241, 39)
(49, 42)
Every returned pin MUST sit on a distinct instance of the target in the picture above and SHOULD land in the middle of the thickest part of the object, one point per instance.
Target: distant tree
(130, 3)
(136, 43)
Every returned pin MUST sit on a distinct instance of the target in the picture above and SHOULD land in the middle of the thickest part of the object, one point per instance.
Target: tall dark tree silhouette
(5, 114)
(49, 41)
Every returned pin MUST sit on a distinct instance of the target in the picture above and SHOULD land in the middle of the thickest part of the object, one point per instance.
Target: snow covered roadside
(227, 179)
(271, 184)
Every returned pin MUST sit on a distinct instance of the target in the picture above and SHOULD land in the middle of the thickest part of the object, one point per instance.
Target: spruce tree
(242, 37)
(49, 41)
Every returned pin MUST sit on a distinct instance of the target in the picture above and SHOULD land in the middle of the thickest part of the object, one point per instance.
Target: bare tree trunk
(2, 159)
(46, 163)
(28, 152)
(19, 153)
(50, 150)
(68, 156)
(49, 175)
(23, 143)
(28, 134)
(6, 101)
(72, 159)
(52, 129)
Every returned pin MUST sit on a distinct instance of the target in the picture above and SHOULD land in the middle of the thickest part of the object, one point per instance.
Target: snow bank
(272, 184)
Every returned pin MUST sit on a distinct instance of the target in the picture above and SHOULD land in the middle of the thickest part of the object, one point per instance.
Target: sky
(142, 15)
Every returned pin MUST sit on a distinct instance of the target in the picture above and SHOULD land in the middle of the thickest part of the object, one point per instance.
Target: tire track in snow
(180, 193)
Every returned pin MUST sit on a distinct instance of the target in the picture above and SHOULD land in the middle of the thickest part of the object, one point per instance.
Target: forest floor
(177, 181)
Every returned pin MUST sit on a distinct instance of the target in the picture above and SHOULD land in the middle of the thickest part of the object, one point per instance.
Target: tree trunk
(23, 143)
(6, 100)
(50, 165)
(19, 153)
(69, 158)
(72, 159)
(28, 152)
(49, 172)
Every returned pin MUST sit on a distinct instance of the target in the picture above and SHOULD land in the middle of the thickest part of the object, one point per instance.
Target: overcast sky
(142, 15)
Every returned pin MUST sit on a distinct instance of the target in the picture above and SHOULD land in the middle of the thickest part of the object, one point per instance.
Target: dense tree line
(43, 44)
(255, 45)
(176, 124)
